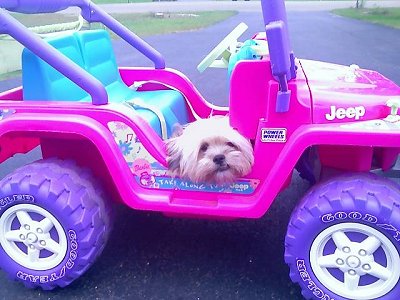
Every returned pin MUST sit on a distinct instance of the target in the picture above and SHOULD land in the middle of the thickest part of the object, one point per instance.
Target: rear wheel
(343, 240)
(54, 223)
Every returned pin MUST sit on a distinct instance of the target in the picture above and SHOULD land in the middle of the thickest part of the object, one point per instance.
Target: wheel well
(357, 158)
(321, 161)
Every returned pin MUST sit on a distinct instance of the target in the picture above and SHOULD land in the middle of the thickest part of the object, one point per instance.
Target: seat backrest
(92, 50)
(42, 82)
(98, 55)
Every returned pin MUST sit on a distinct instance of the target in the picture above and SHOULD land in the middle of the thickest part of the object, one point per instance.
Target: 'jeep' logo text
(341, 113)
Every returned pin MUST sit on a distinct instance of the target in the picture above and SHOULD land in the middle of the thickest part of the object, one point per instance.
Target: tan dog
(209, 150)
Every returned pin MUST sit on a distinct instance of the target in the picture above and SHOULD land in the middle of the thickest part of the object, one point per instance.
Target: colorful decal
(130, 146)
(242, 186)
(149, 173)
(273, 135)
(387, 124)
(4, 113)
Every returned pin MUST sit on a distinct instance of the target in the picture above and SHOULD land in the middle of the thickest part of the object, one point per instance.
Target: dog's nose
(219, 159)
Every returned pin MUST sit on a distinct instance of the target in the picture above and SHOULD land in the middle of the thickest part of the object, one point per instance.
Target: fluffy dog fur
(209, 150)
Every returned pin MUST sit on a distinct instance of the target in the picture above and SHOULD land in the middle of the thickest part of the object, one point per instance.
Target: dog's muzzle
(219, 160)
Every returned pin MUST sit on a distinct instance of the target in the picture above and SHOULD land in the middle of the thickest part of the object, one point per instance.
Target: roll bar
(282, 57)
(90, 12)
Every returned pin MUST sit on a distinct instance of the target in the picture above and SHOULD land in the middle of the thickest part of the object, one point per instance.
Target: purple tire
(343, 240)
(54, 223)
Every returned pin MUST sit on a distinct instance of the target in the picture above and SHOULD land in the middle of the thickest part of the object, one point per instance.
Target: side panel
(100, 145)
(283, 162)
(83, 139)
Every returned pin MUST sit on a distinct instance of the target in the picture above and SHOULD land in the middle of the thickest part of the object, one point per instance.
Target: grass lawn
(148, 24)
(389, 16)
(142, 24)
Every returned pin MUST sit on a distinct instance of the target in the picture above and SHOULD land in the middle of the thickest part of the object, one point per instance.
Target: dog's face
(209, 150)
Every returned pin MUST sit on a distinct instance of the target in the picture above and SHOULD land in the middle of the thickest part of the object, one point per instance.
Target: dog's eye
(232, 145)
(204, 147)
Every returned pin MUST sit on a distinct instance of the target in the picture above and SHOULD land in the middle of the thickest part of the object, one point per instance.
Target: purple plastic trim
(280, 62)
(38, 6)
(61, 63)
(92, 13)
(292, 65)
(274, 11)
(278, 49)
(283, 101)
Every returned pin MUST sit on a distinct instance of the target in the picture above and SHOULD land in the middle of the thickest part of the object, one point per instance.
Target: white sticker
(341, 113)
(273, 135)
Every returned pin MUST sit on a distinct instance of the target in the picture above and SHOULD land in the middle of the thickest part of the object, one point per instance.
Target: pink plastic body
(280, 139)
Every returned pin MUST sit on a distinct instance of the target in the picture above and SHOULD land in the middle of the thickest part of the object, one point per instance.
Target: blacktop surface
(153, 257)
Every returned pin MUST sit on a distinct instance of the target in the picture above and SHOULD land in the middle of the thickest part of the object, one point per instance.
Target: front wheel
(343, 240)
(54, 223)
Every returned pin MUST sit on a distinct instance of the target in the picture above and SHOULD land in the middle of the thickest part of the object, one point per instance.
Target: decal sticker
(128, 143)
(241, 186)
(341, 113)
(273, 135)
(4, 113)
(149, 173)
(386, 124)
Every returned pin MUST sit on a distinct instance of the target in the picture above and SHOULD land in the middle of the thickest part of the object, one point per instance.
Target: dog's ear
(177, 130)
(174, 156)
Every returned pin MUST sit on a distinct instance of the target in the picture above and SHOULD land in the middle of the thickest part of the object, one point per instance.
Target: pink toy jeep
(101, 130)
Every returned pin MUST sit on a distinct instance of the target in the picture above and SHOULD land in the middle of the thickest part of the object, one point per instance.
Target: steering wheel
(224, 45)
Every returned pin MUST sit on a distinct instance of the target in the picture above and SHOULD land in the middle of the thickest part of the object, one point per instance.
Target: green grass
(149, 24)
(43, 19)
(142, 24)
(10, 75)
(389, 16)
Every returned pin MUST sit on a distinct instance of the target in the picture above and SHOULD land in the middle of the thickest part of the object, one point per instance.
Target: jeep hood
(347, 93)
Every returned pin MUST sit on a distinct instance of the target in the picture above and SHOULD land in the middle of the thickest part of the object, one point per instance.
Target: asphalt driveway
(153, 257)
(317, 35)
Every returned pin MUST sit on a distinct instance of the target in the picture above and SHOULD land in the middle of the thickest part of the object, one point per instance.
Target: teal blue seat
(43, 82)
(92, 50)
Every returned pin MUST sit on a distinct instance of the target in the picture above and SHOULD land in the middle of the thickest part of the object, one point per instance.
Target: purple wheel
(343, 240)
(54, 223)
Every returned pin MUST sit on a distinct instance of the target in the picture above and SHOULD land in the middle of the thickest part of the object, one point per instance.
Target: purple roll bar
(92, 13)
(282, 58)
(36, 6)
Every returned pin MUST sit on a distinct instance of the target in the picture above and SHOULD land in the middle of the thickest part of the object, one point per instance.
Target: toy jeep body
(101, 130)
